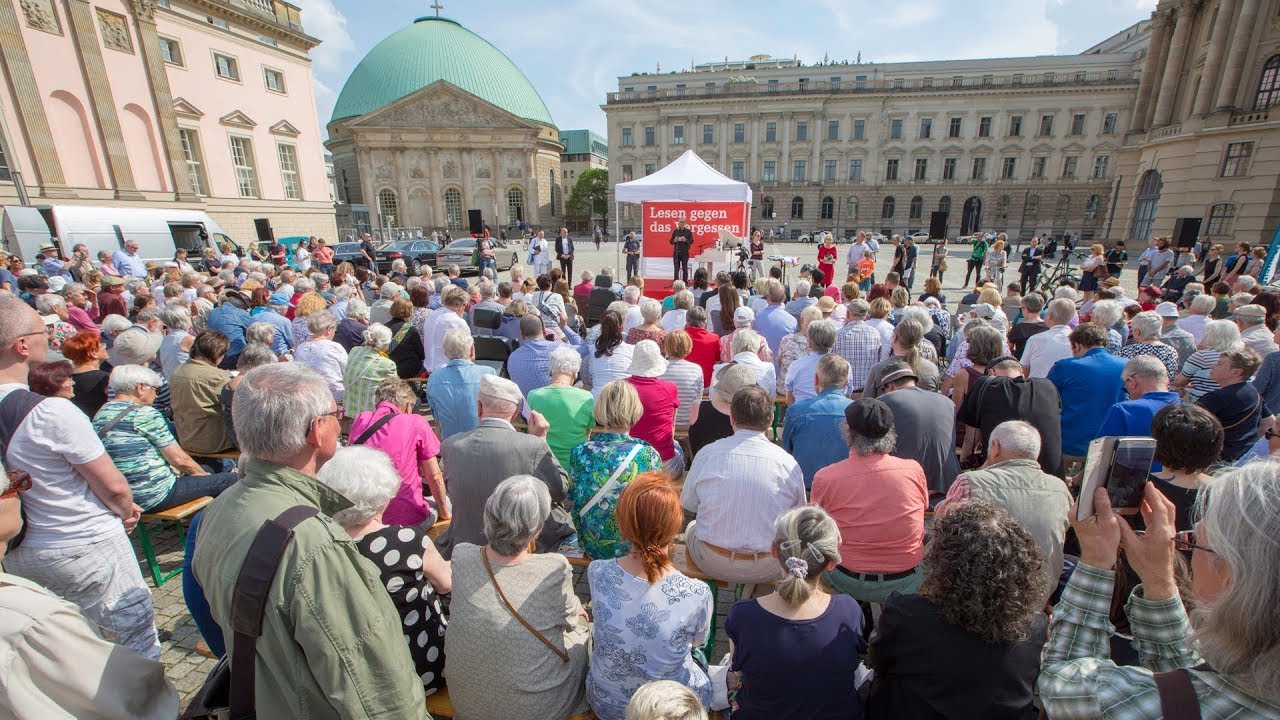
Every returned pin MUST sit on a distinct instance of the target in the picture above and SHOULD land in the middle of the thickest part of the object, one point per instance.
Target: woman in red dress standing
(827, 255)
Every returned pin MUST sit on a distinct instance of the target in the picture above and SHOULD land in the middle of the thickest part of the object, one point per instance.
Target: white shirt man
(631, 295)
(448, 317)
(1046, 348)
(857, 250)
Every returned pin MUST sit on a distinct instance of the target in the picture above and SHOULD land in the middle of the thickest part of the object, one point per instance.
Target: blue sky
(573, 50)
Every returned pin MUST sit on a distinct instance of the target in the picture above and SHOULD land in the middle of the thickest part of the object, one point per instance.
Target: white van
(158, 232)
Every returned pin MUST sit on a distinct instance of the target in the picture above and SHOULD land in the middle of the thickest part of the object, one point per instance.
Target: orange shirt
(878, 502)
(866, 266)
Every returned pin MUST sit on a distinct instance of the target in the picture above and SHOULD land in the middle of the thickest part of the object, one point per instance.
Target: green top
(979, 249)
(134, 446)
(331, 644)
(569, 410)
(433, 49)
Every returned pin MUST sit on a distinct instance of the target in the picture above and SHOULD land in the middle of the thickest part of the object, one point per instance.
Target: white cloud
(322, 20)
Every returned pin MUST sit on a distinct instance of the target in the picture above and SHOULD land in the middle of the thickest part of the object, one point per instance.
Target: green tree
(590, 196)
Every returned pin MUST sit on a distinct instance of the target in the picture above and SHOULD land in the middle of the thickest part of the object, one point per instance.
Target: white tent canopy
(688, 179)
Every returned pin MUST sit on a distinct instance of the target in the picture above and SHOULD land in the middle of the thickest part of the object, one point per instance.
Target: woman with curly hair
(970, 641)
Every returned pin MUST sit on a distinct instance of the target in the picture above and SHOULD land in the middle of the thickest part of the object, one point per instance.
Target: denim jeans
(193, 594)
(189, 487)
(491, 264)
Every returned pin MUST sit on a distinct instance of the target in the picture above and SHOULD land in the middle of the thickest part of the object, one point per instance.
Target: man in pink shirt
(878, 501)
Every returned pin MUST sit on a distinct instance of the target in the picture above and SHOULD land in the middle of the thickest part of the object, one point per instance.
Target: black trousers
(681, 259)
(566, 268)
(974, 267)
(633, 267)
(1029, 279)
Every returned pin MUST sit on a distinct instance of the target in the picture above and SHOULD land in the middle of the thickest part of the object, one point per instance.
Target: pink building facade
(199, 104)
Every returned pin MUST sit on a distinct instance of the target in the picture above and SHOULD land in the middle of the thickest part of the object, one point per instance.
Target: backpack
(14, 409)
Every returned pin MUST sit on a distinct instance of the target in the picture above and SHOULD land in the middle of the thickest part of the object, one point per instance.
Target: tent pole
(617, 241)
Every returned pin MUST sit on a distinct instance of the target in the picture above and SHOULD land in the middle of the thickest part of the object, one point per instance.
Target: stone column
(722, 129)
(662, 129)
(439, 218)
(1213, 61)
(1173, 66)
(102, 104)
(468, 170)
(754, 171)
(1150, 69)
(785, 128)
(500, 194)
(1230, 84)
(815, 141)
(144, 13)
(48, 175)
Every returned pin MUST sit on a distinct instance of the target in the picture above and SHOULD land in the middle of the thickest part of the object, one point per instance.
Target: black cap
(869, 418)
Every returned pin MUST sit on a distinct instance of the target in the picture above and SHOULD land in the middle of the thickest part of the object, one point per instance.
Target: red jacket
(706, 351)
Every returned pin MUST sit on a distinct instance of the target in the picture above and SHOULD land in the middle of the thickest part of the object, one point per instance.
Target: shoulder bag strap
(249, 601)
(1246, 416)
(375, 427)
(1178, 699)
(484, 556)
(15, 408)
(112, 423)
(612, 482)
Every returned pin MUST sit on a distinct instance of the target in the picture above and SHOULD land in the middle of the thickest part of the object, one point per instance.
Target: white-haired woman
(1229, 663)
(144, 450)
(798, 625)
(498, 666)
(408, 563)
(1105, 314)
(350, 332)
(566, 407)
(367, 366)
(407, 438)
(1144, 339)
(650, 328)
(53, 308)
(1219, 337)
(665, 700)
(175, 348)
(253, 355)
(322, 354)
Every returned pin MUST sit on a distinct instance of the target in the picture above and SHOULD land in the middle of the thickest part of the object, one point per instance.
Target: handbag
(228, 691)
(1101, 272)
(484, 556)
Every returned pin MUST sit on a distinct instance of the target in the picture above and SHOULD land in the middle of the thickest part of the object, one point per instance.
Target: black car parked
(416, 254)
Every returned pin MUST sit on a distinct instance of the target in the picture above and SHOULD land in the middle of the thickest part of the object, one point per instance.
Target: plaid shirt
(860, 344)
(1078, 679)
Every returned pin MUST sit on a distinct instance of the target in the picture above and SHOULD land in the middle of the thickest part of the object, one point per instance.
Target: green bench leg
(144, 539)
(779, 412)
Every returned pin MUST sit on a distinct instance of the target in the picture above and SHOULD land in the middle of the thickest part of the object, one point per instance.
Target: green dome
(431, 49)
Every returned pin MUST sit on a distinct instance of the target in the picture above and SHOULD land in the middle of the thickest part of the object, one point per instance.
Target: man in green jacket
(975, 258)
(332, 644)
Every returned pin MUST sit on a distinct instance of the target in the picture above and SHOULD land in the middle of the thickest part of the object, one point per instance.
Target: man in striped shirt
(859, 344)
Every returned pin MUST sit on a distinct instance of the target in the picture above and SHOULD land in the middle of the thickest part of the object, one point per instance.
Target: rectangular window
(1008, 168)
(738, 173)
(289, 175)
(984, 126)
(648, 136)
(833, 129)
(802, 131)
(710, 85)
(835, 83)
(797, 171)
(1236, 161)
(771, 132)
(226, 67)
(708, 134)
(171, 51)
(922, 169)
(680, 89)
(899, 83)
(979, 168)
(1109, 123)
(949, 169)
(1038, 166)
(860, 82)
(770, 171)
(242, 161)
(677, 134)
(217, 22)
(954, 127)
(274, 80)
(739, 132)
(5, 174)
(191, 153)
(855, 171)
(1046, 125)
(1100, 164)
(829, 170)
(926, 128)
(1017, 78)
(926, 82)
(895, 129)
(1015, 126)
(628, 173)
(773, 85)
(891, 169)
(650, 168)
(627, 137)
(957, 81)
(1077, 124)
(859, 129)
(1069, 165)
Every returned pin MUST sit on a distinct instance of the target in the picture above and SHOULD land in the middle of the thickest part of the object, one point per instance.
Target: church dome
(431, 49)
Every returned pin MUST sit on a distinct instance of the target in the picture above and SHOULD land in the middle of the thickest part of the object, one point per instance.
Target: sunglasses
(1185, 541)
(19, 482)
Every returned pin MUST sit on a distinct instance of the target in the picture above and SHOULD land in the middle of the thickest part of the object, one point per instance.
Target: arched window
(1002, 207)
(797, 208)
(851, 209)
(828, 209)
(1033, 207)
(388, 208)
(944, 204)
(1091, 207)
(1221, 217)
(555, 199)
(515, 204)
(1063, 209)
(1268, 84)
(453, 209)
(1144, 213)
(886, 208)
(766, 208)
(917, 207)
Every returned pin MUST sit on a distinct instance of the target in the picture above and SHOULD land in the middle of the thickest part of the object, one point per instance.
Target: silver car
(461, 251)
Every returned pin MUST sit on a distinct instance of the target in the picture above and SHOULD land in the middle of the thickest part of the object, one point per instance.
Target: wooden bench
(232, 454)
(175, 516)
(440, 706)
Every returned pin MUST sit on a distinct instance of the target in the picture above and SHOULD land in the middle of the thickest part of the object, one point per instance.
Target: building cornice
(251, 19)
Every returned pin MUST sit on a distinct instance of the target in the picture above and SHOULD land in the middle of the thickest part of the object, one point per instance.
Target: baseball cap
(278, 299)
(743, 316)
(1167, 310)
(500, 389)
(1256, 312)
(869, 417)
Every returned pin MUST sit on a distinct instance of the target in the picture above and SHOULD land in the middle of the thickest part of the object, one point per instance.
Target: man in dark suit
(564, 252)
(681, 241)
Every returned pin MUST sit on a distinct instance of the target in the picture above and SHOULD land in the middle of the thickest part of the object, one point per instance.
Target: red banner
(706, 220)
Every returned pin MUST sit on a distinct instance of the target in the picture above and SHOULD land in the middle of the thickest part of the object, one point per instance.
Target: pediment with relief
(284, 127)
(441, 105)
(183, 108)
(235, 118)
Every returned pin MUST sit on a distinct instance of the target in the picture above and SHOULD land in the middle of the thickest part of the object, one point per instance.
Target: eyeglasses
(19, 482)
(1186, 541)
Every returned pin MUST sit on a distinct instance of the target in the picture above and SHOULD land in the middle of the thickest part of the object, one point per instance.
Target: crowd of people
(887, 482)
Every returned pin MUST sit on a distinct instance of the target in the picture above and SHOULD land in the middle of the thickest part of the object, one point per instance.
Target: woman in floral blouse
(795, 346)
(601, 467)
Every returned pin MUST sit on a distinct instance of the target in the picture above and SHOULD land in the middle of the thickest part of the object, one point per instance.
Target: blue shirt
(7, 277)
(1133, 417)
(773, 324)
(1089, 385)
(127, 264)
(283, 340)
(452, 392)
(530, 365)
(232, 322)
(812, 432)
(52, 267)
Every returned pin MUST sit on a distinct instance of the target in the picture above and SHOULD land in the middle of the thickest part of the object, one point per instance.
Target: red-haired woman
(648, 615)
(87, 353)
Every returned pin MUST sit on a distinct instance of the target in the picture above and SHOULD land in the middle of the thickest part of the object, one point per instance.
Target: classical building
(435, 121)
(583, 150)
(200, 104)
(1204, 141)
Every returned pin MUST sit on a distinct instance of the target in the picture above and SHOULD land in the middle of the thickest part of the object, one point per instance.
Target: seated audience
(406, 344)
(1030, 325)
(812, 425)
(713, 413)
(798, 625)
(610, 358)
(1042, 350)
(320, 353)
(686, 376)
(1144, 339)
(746, 344)
(196, 392)
(253, 356)
(566, 408)
(528, 365)
(743, 320)
(1146, 380)
(452, 389)
(925, 425)
(795, 345)
(821, 336)
(1237, 404)
(1188, 442)
(498, 667)
(633, 641)
(88, 354)
(674, 319)
(1219, 336)
(660, 400)
(650, 328)
(367, 366)
(706, 344)
(409, 567)
(1089, 383)
(1004, 394)
(970, 641)
(908, 347)
(1182, 342)
(52, 379)
(665, 699)
(406, 437)
(351, 326)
